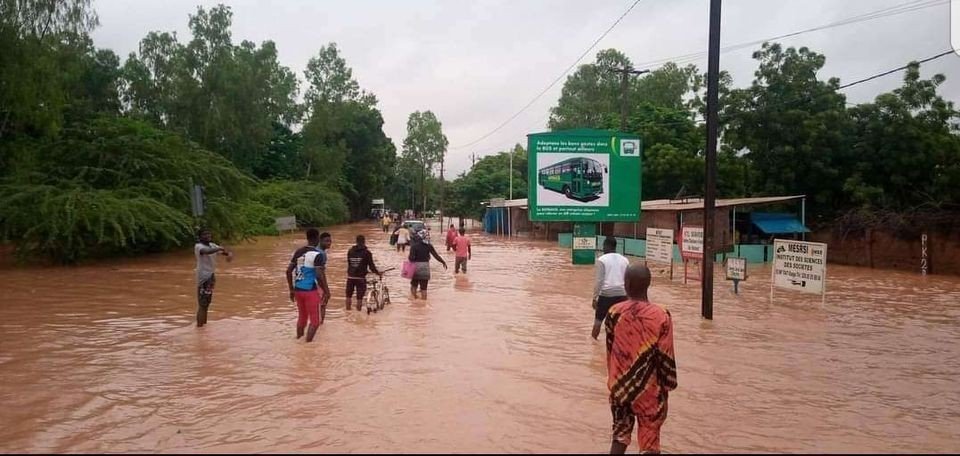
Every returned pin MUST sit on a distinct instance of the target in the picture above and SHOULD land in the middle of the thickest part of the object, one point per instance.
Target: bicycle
(379, 293)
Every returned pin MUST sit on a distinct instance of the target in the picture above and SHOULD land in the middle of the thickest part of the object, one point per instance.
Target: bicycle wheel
(386, 297)
(374, 299)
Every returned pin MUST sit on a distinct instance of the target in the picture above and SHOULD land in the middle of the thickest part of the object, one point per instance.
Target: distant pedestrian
(641, 366)
(463, 251)
(451, 236)
(403, 238)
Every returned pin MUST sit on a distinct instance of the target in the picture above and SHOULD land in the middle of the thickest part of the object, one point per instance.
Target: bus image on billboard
(577, 178)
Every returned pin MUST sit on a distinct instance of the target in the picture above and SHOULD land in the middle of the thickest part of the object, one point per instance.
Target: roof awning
(772, 223)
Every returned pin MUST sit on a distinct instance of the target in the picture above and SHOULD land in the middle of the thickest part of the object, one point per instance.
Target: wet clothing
(420, 253)
(360, 262)
(641, 370)
(308, 307)
(604, 303)
(462, 246)
(460, 262)
(307, 260)
(206, 255)
(610, 269)
(403, 236)
(356, 285)
(451, 237)
(205, 291)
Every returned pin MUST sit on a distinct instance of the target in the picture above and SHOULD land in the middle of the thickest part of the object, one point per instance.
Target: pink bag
(407, 270)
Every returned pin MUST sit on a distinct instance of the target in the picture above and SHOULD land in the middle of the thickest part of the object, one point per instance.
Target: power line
(903, 8)
(885, 73)
(911, 6)
(555, 81)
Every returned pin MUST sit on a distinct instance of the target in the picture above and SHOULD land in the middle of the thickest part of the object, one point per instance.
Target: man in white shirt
(608, 287)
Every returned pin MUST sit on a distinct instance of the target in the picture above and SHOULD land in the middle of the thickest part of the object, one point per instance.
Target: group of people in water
(641, 366)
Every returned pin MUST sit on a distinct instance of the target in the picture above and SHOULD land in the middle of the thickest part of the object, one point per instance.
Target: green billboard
(584, 176)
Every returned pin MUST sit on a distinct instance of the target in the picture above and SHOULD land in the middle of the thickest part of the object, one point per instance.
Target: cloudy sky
(477, 63)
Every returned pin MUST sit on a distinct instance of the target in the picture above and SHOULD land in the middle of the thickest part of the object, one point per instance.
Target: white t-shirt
(611, 267)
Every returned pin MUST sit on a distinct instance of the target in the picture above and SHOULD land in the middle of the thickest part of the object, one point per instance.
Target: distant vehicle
(414, 225)
(576, 178)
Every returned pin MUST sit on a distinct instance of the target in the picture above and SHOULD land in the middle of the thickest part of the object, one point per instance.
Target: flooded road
(106, 358)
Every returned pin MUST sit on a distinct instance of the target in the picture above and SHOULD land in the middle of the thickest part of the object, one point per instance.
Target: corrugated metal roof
(697, 203)
(773, 223)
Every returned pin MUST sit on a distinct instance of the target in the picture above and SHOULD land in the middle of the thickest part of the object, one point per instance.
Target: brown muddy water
(105, 357)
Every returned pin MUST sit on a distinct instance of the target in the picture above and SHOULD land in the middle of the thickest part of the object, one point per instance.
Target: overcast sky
(476, 63)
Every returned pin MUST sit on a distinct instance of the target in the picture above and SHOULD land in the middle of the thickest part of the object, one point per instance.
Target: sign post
(660, 246)
(584, 243)
(691, 246)
(799, 266)
(736, 271)
(288, 223)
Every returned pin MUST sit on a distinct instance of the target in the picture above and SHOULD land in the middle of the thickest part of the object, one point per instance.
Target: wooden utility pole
(709, 194)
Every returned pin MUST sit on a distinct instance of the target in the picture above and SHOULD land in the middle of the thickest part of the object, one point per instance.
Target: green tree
(489, 178)
(907, 147)
(793, 127)
(425, 146)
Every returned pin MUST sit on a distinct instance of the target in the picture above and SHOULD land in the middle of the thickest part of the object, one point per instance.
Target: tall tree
(793, 127)
(425, 146)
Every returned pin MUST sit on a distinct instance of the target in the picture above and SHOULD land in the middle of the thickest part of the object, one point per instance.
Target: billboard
(584, 176)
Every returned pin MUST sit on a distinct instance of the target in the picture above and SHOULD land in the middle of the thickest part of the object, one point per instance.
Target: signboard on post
(691, 246)
(377, 202)
(691, 242)
(288, 223)
(799, 266)
(584, 243)
(584, 176)
(660, 245)
(736, 269)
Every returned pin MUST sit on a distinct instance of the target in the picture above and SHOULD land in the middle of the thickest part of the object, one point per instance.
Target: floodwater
(105, 357)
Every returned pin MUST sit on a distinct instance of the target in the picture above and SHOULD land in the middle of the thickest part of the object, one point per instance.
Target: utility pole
(625, 73)
(709, 194)
(511, 173)
(442, 191)
(473, 159)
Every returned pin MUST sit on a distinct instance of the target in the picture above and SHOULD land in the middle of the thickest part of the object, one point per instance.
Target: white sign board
(377, 202)
(691, 242)
(799, 266)
(585, 243)
(659, 245)
(286, 223)
(736, 269)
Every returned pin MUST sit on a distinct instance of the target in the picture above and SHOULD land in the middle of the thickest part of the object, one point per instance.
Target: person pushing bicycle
(359, 264)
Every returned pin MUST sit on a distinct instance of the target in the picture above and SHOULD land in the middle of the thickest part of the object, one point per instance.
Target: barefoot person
(641, 368)
(206, 253)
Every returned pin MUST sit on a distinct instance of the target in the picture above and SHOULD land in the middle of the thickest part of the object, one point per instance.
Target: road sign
(286, 223)
(799, 266)
(691, 242)
(659, 245)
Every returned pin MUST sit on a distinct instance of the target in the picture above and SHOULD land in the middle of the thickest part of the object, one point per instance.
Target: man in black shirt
(359, 263)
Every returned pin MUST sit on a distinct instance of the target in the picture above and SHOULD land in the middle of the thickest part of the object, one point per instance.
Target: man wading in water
(206, 253)
(641, 368)
(309, 263)
(608, 284)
